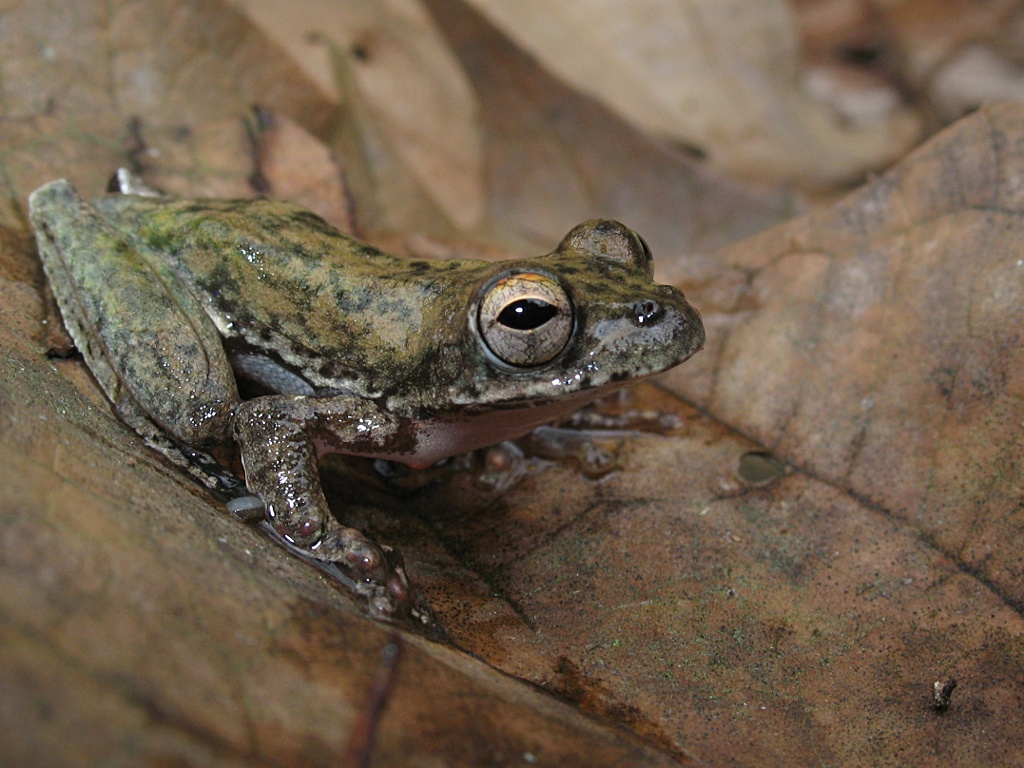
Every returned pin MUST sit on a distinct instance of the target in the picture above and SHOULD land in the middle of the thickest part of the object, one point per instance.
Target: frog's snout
(674, 323)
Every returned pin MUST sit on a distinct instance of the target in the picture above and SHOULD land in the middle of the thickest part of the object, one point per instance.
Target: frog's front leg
(280, 437)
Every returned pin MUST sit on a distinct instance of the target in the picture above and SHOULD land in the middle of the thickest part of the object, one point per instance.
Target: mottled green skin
(368, 354)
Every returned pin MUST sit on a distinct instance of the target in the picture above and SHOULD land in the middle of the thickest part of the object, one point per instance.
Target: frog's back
(280, 282)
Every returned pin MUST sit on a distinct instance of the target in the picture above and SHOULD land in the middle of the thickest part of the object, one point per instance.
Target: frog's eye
(526, 319)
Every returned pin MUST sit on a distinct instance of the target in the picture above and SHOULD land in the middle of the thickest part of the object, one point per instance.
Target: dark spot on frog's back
(331, 369)
(365, 250)
(221, 282)
(212, 216)
(417, 268)
(162, 241)
(310, 220)
(302, 352)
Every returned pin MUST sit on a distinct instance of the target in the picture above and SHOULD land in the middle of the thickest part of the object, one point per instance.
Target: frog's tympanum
(173, 301)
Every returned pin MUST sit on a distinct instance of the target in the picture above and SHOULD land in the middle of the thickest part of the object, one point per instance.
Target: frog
(174, 302)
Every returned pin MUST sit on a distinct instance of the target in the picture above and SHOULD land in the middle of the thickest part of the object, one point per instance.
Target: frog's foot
(378, 571)
(208, 471)
(203, 467)
(364, 567)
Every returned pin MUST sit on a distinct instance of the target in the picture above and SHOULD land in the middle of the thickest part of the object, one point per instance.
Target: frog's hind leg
(145, 337)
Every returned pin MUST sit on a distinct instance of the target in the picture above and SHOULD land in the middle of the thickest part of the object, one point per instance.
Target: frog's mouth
(566, 401)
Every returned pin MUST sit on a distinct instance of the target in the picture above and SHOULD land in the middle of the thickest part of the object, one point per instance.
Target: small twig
(259, 122)
(359, 751)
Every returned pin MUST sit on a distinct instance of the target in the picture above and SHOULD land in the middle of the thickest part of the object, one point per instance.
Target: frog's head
(584, 319)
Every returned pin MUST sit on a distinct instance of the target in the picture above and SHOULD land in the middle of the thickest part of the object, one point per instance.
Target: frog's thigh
(145, 337)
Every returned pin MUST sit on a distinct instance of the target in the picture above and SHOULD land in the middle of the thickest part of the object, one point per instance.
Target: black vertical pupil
(526, 314)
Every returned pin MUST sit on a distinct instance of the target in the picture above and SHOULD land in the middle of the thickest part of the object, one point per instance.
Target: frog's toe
(382, 606)
(390, 600)
(362, 556)
(377, 571)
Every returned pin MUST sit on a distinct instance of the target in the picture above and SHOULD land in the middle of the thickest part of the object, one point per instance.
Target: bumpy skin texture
(371, 355)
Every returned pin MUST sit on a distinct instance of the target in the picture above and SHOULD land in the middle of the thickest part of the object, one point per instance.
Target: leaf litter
(869, 351)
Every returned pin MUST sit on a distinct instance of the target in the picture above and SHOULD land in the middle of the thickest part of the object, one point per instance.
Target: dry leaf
(294, 166)
(877, 344)
(927, 33)
(555, 158)
(950, 57)
(165, 84)
(774, 623)
(720, 76)
(415, 93)
(803, 617)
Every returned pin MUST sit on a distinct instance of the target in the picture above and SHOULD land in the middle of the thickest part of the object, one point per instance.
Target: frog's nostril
(646, 312)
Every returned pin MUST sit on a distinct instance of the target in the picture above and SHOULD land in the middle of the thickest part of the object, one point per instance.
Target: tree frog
(173, 301)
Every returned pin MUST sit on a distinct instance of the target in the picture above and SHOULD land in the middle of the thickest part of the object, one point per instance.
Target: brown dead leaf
(413, 91)
(948, 56)
(296, 167)
(551, 157)
(89, 86)
(917, 36)
(877, 345)
(721, 76)
(555, 158)
(773, 624)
